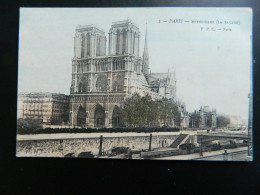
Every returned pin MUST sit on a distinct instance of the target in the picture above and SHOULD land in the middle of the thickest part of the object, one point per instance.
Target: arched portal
(99, 117)
(117, 117)
(81, 117)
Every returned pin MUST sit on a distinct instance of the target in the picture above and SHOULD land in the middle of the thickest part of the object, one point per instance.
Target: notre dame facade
(102, 80)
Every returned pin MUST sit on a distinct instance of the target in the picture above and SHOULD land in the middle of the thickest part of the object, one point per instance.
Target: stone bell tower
(124, 38)
(89, 41)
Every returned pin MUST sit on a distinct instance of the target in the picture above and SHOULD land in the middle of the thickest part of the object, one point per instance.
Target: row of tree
(137, 112)
(143, 111)
(223, 121)
(33, 126)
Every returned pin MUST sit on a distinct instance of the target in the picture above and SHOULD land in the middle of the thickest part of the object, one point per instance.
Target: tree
(137, 110)
(28, 125)
(195, 120)
(143, 111)
(169, 111)
(130, 110)
(222, 121)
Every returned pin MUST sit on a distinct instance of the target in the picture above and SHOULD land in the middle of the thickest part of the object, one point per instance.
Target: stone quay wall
(61, 147)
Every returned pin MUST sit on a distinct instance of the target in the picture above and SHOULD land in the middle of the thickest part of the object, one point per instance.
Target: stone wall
(61, 147)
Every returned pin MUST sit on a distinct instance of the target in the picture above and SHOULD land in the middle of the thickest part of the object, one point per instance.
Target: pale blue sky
(212, 68)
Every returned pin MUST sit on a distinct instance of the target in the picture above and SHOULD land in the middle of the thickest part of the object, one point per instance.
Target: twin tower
(124, 39)
(102, 80)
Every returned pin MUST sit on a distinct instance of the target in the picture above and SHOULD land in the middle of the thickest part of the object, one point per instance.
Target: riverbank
(92, 135)
(52, 136)
(206, 155)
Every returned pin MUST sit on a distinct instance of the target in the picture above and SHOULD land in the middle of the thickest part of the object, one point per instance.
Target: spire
(145, 54)
(168, 74)
(174, 75)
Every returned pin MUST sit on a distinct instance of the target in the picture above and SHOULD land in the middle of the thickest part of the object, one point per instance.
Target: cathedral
(102, 80)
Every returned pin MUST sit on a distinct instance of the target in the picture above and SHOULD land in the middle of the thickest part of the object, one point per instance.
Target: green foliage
(142, 114)
(143, 111)
(195, 120)
(102, 130)
(222, 121)
(28, 125)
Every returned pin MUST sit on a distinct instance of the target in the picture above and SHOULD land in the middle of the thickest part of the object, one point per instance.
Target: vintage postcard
(135, 83)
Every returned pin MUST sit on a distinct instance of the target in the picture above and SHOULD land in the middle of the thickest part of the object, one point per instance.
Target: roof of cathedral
(124, 22)
(89, 27)
(159, 75)
(157, 79)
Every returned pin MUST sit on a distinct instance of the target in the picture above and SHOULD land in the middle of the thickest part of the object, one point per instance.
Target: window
(124, 42)
(88, 44)
(118, 65)
(117, 42)
(82, 45)
(101, 83)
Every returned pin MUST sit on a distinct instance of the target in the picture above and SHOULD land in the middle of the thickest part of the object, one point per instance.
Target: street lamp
(225, 155)
(200, 139)
(108, 91)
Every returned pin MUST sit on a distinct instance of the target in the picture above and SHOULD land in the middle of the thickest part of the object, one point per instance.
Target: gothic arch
(117, 41)
(118, 64)
(97, 65)
(80, 88)
(78, 35)
(78, 41)
(88, 44)
(117, 117)
(83, 85)
(99, 116)
(114, 64)
(81, 116)
(101, 83)
(103, 65)
(118, 83)
(124, 49)
(82, 44)
(134, 42)
(98, 46)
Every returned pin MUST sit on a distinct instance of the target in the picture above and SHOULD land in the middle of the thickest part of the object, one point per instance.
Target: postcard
(135, 83)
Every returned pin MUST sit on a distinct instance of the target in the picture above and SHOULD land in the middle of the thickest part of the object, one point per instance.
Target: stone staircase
(179, 140)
